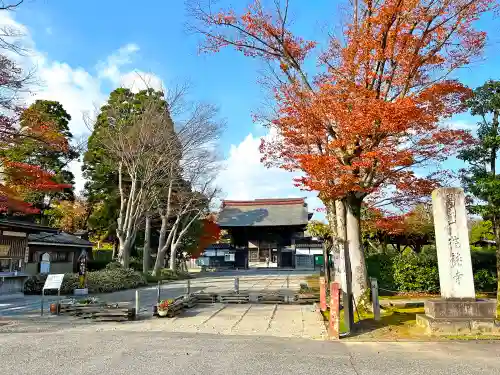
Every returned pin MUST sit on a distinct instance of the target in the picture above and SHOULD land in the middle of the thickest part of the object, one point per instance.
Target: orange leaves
(19, 178)
(39, 128)
(210, 233)
(26, 177)
(255, 33)
(373, 112)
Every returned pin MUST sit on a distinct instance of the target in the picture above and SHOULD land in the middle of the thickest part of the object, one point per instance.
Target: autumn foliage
(371, 117)
(373, 113)
(19, 178)
(209, 234)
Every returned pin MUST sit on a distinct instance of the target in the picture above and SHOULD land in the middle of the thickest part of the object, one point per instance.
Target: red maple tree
(18, 178)
(210, 234)
(373, 112)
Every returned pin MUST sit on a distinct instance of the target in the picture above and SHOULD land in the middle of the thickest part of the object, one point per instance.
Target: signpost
(376, 303)
(53, 281)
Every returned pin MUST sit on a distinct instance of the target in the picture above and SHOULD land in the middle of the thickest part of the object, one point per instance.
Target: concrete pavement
(86, 350)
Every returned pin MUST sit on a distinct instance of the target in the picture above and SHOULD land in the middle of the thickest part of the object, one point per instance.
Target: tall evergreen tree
(481, 179)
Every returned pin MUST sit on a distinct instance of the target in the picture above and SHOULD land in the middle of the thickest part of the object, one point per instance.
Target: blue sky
(85, 49)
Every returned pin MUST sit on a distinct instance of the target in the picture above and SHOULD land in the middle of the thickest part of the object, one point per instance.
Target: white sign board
(54, 281)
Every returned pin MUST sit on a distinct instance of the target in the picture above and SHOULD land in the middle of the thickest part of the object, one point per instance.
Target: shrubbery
(409, 272)
(168, 275)
(97, 264)
(104, 281)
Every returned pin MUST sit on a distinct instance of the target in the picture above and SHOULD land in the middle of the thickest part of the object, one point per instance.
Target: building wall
(55, 267)
(11, 285)
(63, 259)
(12, 251)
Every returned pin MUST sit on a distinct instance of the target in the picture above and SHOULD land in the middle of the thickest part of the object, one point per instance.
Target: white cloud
(245, 177)
(138, 80)
(110, 68)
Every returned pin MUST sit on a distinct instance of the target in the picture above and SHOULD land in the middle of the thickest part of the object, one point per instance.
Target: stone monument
(458, 310)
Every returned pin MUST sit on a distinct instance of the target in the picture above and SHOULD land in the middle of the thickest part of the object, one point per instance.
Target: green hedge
(105, 281)
(101, 263)
(168, 275)
(104, 255)
(409, 272)
(97, 264)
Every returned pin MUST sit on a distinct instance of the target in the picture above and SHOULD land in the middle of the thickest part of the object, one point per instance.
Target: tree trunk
(160, 253)
(356, 254)
(115, 249)
(123, 253)
(173, 258)
(326, 268)
(345, 267)
(328, 248)
(496, 231)
(147, 245)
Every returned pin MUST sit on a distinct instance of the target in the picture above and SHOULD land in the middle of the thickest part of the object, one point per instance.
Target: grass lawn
(396, 323)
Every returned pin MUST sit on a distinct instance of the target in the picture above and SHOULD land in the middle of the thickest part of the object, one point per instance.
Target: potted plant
(163, 307)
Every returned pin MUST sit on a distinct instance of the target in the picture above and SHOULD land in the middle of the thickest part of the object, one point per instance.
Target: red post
(334, 326)
(322, 294)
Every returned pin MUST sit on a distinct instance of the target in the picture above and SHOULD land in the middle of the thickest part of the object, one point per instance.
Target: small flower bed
(165, 304)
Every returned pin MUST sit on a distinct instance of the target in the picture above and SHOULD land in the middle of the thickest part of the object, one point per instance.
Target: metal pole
(158, 292)
(375, 301)
(288, 281)
(58, 300)
(188, 287)
(237, 285)
(136, 302)
(41, 303)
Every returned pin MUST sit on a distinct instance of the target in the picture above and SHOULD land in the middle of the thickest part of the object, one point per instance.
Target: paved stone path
(300, 321)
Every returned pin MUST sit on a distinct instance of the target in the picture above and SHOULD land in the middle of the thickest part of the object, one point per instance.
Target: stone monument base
(459, 316)
(461, 308)
(458, 326)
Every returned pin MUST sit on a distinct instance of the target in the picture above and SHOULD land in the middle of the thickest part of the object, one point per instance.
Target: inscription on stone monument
(452, 242)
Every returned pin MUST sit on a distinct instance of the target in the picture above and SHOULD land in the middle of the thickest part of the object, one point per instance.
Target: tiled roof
(61, 239)
(263, 212)
(266, 202)
(25, 225)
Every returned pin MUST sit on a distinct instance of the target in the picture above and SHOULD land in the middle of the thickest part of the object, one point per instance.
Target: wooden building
(14, 253)
(24, 244)
(266, 229)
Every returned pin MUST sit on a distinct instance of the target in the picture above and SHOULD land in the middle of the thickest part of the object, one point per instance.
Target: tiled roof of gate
(61, 238)
(263, 212)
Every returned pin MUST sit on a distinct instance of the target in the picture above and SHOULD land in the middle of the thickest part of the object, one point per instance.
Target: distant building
(62, 248)
(269, 232)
